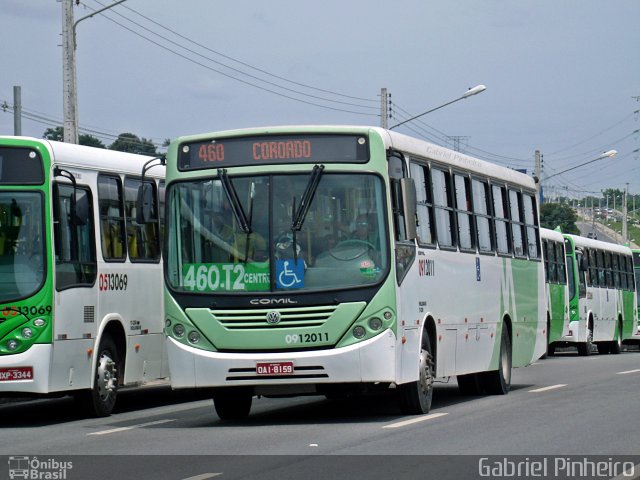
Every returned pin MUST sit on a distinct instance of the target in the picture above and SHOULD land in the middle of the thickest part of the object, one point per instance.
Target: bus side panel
(71, 364)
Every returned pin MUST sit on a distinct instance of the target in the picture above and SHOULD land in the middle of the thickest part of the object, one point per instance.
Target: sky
(562, 76)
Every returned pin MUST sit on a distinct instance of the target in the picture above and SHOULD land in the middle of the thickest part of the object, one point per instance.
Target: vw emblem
(273, 317)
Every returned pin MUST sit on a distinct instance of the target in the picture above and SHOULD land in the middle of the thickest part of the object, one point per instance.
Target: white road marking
(203, 476)
(546, 389)
(123, 429)
(415, 420)
(629, 371)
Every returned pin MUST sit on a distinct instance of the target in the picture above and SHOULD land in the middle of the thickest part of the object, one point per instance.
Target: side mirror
(81, 209)
(144, 204)
(408, 190)
(584, 264)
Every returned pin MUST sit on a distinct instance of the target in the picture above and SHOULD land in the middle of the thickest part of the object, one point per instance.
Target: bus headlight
(39, 322)
(194, 337)
(27, 332)
(359, 331)
(375, 323)
(12, 345)
(178, 330)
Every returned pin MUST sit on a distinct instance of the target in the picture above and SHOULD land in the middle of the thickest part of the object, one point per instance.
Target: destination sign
(273, 149)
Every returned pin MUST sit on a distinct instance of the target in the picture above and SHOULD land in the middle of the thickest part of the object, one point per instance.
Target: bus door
(75, 284)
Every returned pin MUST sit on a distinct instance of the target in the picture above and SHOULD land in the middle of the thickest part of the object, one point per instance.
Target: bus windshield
(276, 233)
(22, 266)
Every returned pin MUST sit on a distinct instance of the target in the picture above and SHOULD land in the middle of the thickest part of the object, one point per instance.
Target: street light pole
(69, 76)
(607, 154)
(472, 91)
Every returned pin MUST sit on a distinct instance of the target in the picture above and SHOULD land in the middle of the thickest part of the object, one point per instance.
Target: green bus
(324, 260)
(603, 300)
(556, 287)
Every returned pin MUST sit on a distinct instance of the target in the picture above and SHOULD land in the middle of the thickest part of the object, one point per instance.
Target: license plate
(274, 368)
(16, 373)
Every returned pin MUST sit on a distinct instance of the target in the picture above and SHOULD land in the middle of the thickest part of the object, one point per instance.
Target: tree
(128, 142)
(57, 134)
(554, 215)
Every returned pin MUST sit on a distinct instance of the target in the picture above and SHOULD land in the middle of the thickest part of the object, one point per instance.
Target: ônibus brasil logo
(33, 468)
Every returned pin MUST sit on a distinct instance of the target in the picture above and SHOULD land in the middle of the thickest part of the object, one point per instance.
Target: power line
(233, 77)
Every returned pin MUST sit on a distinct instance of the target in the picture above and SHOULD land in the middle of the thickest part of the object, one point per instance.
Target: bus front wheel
(232, 403)
(416, 397)
(101, 398)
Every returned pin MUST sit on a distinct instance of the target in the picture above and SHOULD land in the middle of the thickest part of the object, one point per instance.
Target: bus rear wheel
(232, 403)
(416, 397)
(616, 346)
(584, 349)
(498, 382)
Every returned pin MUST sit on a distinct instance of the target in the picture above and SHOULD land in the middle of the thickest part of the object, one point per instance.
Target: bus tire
(616, 346)
(498, 382)
(232, 403)
(416, 397)
(584, 349)
(470, 384)
(100, 400)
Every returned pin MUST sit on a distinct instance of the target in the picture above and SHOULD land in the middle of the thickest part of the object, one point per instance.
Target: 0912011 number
(315, 337)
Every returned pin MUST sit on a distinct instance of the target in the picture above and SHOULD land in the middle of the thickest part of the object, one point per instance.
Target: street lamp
(472, 91)
(607, 154)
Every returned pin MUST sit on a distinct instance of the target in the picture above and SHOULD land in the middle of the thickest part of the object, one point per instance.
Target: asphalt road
(566, 405)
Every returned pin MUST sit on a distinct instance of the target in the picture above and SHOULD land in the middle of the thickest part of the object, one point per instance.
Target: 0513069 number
(315, 337)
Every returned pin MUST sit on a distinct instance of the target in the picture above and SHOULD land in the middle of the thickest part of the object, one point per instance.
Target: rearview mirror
(144, 204)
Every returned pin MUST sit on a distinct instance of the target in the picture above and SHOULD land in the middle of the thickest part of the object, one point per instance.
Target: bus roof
(391, 139)
(551, 234)
(83, 157)
(579, 241)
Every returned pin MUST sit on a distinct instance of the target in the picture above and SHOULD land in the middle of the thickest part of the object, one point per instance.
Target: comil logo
(38, 469)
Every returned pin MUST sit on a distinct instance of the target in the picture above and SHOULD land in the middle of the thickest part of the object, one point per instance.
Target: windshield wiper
(299, 214)
(234, 201)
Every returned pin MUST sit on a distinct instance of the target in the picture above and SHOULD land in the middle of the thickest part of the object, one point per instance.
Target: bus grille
(289, 317)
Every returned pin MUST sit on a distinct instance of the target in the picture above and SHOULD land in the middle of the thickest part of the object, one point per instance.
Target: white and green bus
(80, 279)
(318, 260)
(603, 300)
(636, 273)
(556, 287)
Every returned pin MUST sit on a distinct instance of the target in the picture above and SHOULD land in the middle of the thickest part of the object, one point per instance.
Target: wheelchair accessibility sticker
(289, 273)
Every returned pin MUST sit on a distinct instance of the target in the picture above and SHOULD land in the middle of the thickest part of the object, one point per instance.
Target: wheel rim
(107, 376)
(426, 372)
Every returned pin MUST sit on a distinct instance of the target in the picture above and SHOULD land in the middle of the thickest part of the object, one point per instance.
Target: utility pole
(455, 140)
(384, 112)
(17, 110)
(624, 216)
(537, 176)
(69, 79)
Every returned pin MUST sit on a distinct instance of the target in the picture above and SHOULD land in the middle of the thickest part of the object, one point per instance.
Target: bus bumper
(365, 362)
(37, 360)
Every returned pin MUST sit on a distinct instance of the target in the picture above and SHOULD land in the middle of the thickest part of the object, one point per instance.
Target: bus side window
(517, 226)
(466, 235)
(531, 226)
(76, 264)
(143, 240)
(443, 201)
(420, 175)
(482, 209)
(111, 217)
(500, 209)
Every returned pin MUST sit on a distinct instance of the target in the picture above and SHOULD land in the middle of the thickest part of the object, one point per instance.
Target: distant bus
(636, 271)
(603, 301)
(80, 278)
(557, 287)
(321, 260)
